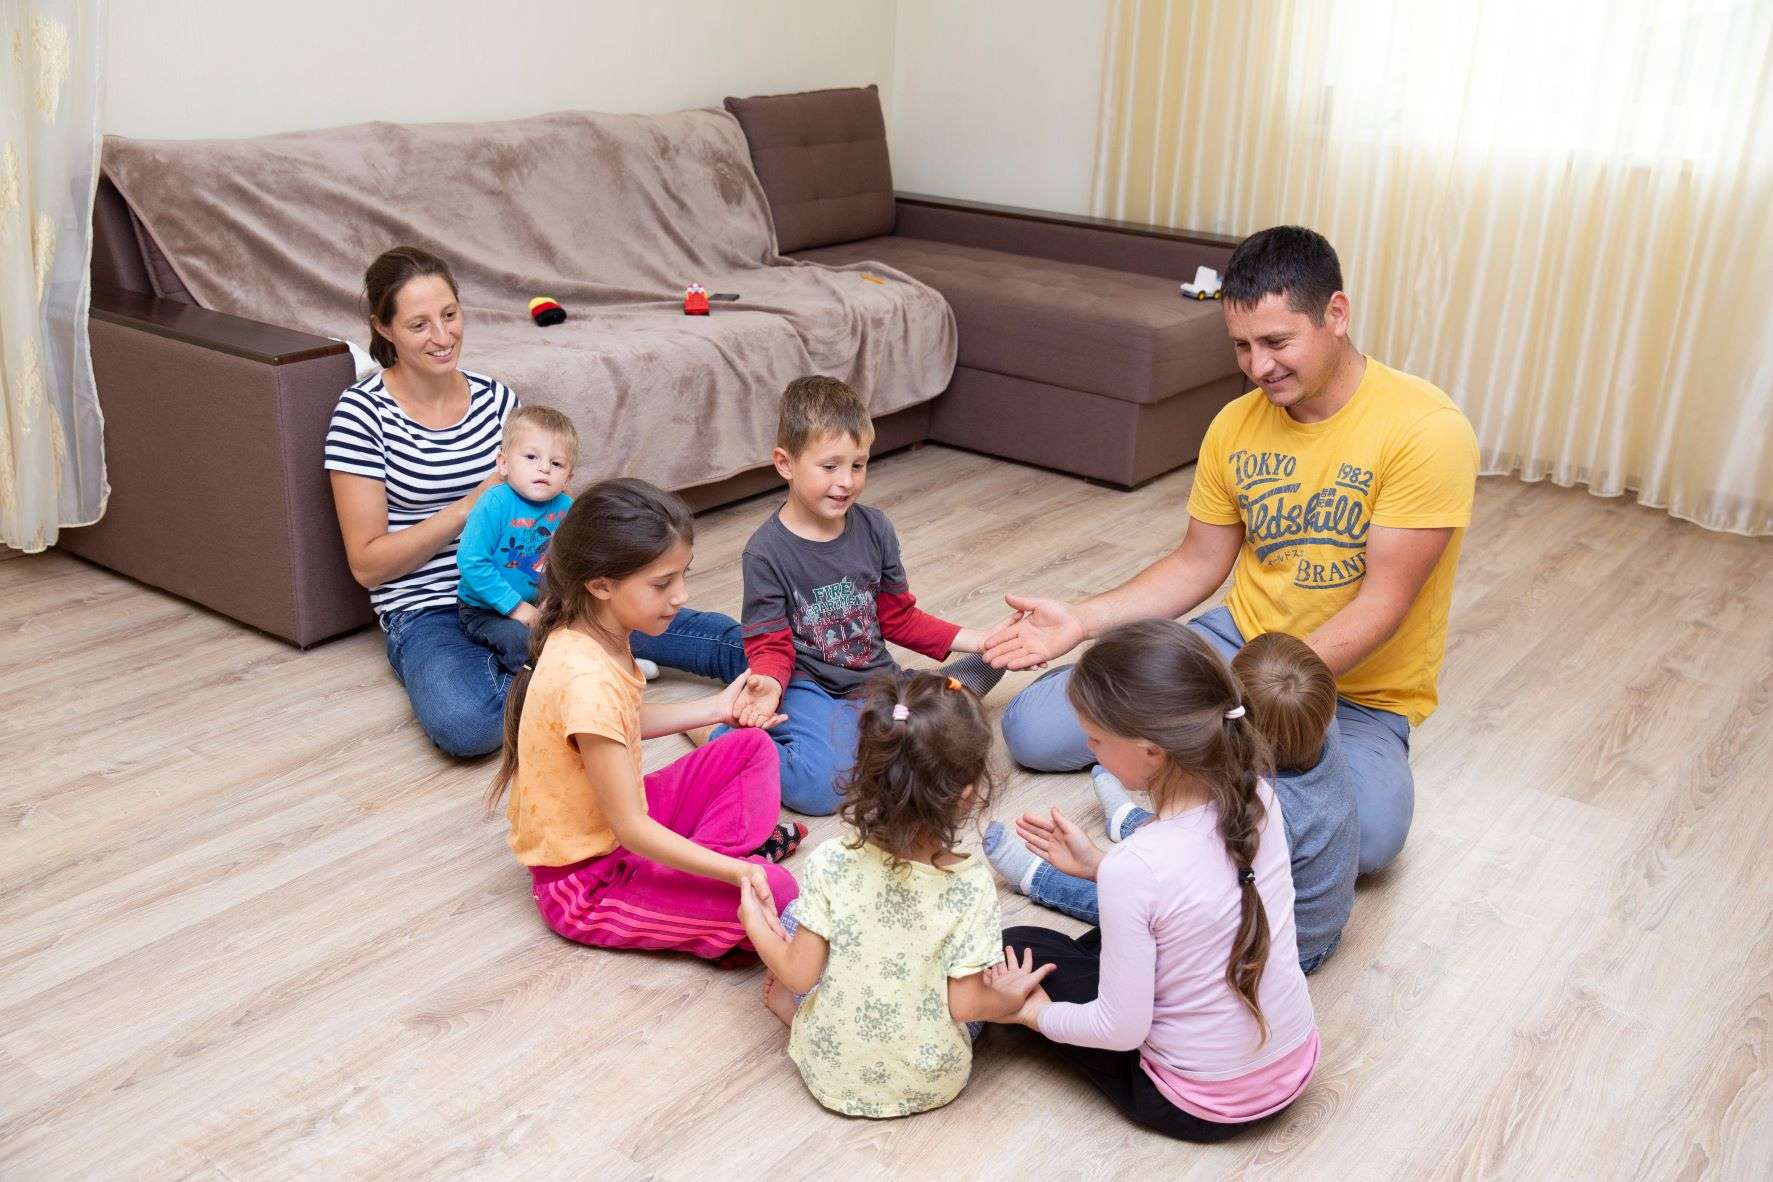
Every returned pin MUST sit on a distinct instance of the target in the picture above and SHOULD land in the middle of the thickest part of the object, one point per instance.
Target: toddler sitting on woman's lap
(504, 546)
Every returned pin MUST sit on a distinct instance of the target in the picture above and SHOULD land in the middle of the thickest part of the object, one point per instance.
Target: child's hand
(757, 906)
(526, 614)
(1029, 1015)
(1061, 844)
(1016, 979)
(756, 701)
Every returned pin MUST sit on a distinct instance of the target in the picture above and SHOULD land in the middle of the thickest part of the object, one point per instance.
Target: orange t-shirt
(578, 688)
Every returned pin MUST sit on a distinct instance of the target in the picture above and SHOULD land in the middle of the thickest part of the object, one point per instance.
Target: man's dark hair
(1284, 260)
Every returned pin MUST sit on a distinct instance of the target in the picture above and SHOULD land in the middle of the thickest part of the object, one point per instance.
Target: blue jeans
(508, 639)
(1043, 734)
(457, 685)
(707, 644)
(817, 745)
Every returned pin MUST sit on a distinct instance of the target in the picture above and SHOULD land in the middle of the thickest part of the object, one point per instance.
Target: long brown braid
(614, 528)
(1159, 681)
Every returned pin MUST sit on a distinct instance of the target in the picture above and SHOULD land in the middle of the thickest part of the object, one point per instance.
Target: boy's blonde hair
(540, 418)
(813, 406)
(1291, 694)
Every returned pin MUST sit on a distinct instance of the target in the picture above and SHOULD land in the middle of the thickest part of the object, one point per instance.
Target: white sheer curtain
(1561, 213)
(52, 469)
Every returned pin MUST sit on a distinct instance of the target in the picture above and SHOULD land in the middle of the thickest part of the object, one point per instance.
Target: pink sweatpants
(726, 797)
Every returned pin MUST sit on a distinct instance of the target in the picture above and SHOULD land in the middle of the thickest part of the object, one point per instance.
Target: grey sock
(1116, 803)
(1010, 857)
(972, 671)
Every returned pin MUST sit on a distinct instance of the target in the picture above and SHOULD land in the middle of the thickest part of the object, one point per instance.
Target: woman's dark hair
(910, 780)
(614, 528)
(391, 271)
(1159, 681)
(1284, 260)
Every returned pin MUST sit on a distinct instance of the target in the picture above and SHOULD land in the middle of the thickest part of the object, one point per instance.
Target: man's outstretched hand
(1041, 630)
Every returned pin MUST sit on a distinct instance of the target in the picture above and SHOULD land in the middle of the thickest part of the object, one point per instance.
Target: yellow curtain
(1562, 214)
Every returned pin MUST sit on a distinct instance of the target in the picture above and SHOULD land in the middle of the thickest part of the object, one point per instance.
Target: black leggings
(1116, 1074)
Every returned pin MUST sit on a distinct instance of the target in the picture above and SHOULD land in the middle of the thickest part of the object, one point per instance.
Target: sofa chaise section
(1077, 351)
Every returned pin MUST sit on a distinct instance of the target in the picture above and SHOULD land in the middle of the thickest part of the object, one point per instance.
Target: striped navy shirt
(423, 469)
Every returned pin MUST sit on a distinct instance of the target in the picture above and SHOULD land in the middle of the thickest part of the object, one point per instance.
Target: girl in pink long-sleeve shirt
(1186, 1007)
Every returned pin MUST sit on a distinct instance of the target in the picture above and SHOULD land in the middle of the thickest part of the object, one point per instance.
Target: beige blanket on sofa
(612, 215)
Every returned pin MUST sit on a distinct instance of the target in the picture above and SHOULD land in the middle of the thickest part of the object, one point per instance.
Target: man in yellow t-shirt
(1336, 495)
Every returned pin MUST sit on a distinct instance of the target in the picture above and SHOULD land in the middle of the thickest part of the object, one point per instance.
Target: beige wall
(996, 100)
(192, 68)
(993, 100)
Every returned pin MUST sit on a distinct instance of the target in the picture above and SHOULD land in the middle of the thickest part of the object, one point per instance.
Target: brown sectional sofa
(1076, 352)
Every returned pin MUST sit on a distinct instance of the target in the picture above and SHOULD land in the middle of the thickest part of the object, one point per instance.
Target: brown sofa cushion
(1131, 337)
(822, 158)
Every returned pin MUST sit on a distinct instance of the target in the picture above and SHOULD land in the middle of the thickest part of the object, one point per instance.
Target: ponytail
(922, 763)
(1159, 681)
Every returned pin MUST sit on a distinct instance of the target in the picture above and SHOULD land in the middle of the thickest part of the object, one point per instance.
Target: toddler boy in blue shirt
(504, 547)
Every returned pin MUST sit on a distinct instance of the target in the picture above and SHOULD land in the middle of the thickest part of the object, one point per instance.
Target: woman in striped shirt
(409, 451)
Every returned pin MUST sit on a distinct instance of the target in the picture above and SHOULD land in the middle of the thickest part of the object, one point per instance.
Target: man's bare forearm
(1175, 584)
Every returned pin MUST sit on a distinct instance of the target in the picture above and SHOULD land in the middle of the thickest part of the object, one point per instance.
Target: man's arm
(1045, 629)
(1176, 583)
(1399, 562)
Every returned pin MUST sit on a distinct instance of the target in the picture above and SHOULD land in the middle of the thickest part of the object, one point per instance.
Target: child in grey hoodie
(1291, 696)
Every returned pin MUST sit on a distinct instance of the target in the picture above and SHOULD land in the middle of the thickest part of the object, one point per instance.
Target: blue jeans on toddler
(817, 746)
(508, 639)
(457, 684)
(1043, 734)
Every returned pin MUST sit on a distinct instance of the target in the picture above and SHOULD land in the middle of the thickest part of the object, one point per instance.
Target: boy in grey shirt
(1291, 696)
(825, 590)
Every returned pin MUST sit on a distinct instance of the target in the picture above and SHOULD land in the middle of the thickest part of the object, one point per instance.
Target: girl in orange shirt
(619, 859)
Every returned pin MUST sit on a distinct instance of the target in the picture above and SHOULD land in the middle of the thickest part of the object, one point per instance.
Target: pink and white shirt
(1170, 907)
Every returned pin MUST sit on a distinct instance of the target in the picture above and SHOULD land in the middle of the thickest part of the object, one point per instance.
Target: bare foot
(699, 736)
(778, 1000)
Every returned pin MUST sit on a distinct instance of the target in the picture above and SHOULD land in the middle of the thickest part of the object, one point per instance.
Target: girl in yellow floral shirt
(896, 936)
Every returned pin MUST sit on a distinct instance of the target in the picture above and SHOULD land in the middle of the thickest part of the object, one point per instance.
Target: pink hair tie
(901, 712)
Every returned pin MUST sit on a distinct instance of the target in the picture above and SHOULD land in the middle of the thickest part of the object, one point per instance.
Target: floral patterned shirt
(874, 1037)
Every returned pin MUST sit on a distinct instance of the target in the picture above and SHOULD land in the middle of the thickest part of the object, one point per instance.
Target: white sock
(1011, 858)
(1116, 803)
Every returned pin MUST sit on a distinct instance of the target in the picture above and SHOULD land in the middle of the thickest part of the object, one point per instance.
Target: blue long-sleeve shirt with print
(504, 548)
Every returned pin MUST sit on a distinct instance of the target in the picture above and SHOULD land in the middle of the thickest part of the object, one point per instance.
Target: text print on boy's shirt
(1401, 455)
(842, 621)
(825, 610)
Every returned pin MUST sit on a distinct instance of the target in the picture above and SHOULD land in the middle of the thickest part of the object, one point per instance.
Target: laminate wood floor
(252, 925)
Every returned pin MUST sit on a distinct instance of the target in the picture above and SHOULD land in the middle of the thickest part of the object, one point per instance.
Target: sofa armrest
(267, 344)
(1067, 238)
(215, 429)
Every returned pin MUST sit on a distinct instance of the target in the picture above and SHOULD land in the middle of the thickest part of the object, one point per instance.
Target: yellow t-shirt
(874, 1037)
(1401, 454)
(578, 688)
